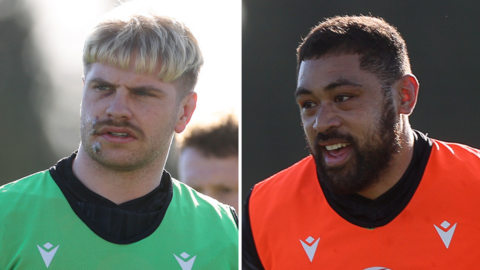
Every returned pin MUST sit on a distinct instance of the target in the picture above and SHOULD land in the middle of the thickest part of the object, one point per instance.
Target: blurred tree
(24, 148)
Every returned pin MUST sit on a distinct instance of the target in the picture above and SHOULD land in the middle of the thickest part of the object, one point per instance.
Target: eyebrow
(301, 92)
(341, 82)
(99, 81)
(337, 83)
(145, 88)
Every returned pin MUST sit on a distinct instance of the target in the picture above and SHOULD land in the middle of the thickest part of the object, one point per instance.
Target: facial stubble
(138, 159)
(369, 160)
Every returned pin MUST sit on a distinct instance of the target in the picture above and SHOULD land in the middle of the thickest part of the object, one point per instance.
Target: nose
(119, 107)
(326, 118)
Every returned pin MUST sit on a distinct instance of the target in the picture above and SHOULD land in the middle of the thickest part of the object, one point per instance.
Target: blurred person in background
(209, 160)
(111, 204)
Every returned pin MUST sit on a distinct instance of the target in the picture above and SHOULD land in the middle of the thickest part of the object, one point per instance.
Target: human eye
(307, 105)
(102, 87)
(225, 190)
(341, 98)
(142, 93)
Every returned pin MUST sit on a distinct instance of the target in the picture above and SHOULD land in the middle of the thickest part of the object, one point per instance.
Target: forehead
(108, 70)
(319, 73)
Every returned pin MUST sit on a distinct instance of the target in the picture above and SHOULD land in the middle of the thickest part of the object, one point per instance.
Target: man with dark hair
(374, 193)
(209, 161)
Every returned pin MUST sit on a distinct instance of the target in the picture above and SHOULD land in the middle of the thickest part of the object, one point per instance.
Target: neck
(116, 185)
(397, 168)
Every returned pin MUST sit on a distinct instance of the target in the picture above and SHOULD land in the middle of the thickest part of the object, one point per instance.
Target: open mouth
(336, 146)
(119, 134)
(117, 137)
(337, 154)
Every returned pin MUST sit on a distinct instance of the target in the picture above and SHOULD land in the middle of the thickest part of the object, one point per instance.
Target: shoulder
(292, 175)
(455, 164)
(31, 193)
(191, 195)
(456, 153)
(188, 198)
(453, 147)
(24, 186)
(281, 188)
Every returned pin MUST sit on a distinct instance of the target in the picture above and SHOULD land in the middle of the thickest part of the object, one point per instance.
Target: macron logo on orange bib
(310, 248)
(445, 234)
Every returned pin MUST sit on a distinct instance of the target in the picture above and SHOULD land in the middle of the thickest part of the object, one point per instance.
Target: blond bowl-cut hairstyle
(153, 40)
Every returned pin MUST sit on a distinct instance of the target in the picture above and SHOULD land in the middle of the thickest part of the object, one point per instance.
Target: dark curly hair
(382, 49)
(219, 140)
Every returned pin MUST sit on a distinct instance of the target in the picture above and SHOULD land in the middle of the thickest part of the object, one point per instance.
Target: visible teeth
(336, 146)
(119, 134)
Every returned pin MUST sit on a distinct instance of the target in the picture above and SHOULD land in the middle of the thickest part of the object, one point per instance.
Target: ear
(408, 94)
(186, 108)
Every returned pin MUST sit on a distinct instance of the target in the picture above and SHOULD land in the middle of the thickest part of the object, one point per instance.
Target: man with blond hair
(111, 204)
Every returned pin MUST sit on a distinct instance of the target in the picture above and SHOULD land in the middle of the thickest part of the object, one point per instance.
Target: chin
(119, 159)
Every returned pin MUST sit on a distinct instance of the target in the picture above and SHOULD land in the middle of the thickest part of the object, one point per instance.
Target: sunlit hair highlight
(152, 40)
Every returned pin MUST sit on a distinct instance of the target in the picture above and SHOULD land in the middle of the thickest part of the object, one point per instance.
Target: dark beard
(368, 161)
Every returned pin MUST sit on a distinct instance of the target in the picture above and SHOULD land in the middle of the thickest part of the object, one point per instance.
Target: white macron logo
(47, 256)
(445, 234)
(186, 265)
(310, 248)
